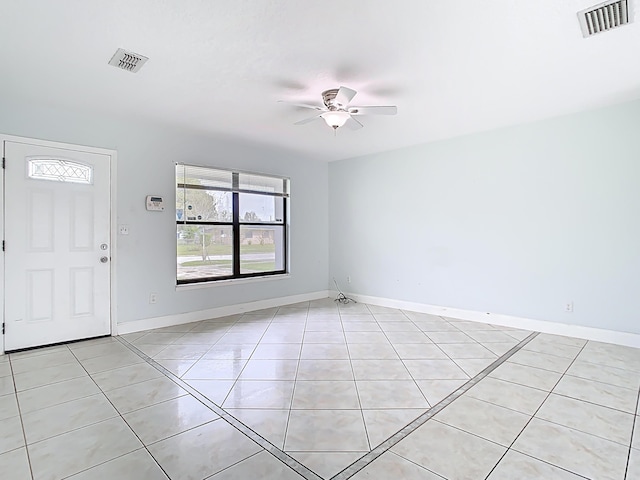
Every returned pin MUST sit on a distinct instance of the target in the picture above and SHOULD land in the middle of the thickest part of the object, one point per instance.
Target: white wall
(516, 221)
(146, 156)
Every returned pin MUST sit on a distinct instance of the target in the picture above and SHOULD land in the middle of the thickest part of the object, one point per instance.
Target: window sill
(231, 281)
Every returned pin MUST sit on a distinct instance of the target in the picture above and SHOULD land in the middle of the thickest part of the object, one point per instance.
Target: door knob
(104, 259)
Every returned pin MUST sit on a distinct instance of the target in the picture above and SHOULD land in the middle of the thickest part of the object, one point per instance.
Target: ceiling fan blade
(304, 105)
(377, 110)
(353, 124)
(344, 96)
(308, 120)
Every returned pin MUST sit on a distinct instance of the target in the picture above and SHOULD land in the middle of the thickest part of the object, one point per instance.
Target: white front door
(57, 250)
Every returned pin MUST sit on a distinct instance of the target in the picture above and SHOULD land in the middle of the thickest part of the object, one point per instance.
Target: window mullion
(236, 226)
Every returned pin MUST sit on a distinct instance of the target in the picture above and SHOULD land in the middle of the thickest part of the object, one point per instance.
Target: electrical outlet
(568, 307)
(153, 298)
(123, 229)
(348, 278)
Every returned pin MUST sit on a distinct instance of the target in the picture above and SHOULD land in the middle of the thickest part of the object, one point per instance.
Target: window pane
(203, 205)
(260, 183)
(60, 170)
(261, 249)
(204, 251)
(260, 208)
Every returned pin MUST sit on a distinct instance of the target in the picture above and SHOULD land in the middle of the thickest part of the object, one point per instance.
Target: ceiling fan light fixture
(335, 118)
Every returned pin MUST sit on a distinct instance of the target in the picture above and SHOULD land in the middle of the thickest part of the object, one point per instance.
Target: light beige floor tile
(382, 424)
(633, 470)
(366, 337)
(518, 334)
(510, 395)
(8, 406)
(269, 370)
(215, 370)
(277, 351)
(137, 465)
(552, 348)
(636, 433)
(319, 351)
(182, 352)
(153, 338)
(473, 366)
(361, 327)
(130, 337)
(380, 370)
(334, 326)
(617, 356)
(230, 352)
(399, 338)
(525, 375)
(275, 394)
(575, 451)
(435, 370)
(469, 326)
(143, 394)
(325, 395)
(601, 421)
(380, 310)
(214, 390)
(84, 352)
(262, 465)
(124, 376)
(491, 336)
(325, 337)
(110, 362)
(604, 374)
(354, 317)
(326, 431)
(268, 423)
(177, 367)
(327, 464)
(541, 360)
(6, 385)
(150, 349)
(515, 465)
(466, 350)
(391, 466)
(53, 359)
(439, 448)
(165, 419)
(38, 351)
(47, 376)
(75, 451)
(600, 393)
(449, 337)
(414, 351)
(12, 436)
(486, 420)
(201, 338)
(560, 340)
(203, 451)
(424, 317)
(325, 370)
(17, 463)
(380, 394)
(500, 348)
(5, 369)
(405, 326)
(436, 390)
(353, 308)
(431, 326)
(51, 421)
(56, 393)
(372, 351)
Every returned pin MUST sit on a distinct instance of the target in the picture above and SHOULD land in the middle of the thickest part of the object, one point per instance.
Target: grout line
(422, 419)
(230, 419)
(24, 434)
(633, 429)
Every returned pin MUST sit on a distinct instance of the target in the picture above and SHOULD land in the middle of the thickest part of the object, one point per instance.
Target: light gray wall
(146, 156)
(516, 221)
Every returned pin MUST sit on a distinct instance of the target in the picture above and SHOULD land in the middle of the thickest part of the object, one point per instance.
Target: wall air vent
(603, 17)
(129, 61)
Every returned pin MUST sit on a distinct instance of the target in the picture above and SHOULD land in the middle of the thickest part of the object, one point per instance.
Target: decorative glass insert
(60, 170)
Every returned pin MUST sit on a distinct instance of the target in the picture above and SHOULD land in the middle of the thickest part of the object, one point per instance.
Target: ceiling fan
(336, 111)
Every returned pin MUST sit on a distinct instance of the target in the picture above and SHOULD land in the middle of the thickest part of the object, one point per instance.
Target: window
(229, 224)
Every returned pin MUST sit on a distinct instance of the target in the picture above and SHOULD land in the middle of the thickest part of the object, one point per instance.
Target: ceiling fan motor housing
(328, 97)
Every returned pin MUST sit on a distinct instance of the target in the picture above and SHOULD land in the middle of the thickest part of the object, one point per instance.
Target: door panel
(57, 215)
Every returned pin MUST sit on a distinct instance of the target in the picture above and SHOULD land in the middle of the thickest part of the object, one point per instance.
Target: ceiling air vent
(603, 17)
(129, 61)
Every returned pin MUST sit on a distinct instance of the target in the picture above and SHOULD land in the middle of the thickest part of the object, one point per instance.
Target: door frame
(113, 154)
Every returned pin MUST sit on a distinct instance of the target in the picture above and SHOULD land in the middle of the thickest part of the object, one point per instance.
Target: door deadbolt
(104, 246)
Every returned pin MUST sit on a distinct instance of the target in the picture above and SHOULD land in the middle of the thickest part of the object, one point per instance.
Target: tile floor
(320, 390)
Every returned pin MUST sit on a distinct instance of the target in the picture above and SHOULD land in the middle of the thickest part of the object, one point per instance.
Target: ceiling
(451, 67)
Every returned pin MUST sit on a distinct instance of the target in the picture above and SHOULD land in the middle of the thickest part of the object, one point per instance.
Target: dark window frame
(236, 223)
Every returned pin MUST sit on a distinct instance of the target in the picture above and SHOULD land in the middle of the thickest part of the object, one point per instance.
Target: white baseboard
(578, 331)
(178, 319)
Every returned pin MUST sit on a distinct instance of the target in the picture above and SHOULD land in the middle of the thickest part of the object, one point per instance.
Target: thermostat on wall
(155, 204)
